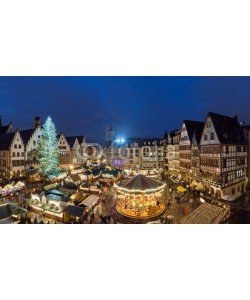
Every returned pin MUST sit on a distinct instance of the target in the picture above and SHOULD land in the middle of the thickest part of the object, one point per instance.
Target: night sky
(135, 106)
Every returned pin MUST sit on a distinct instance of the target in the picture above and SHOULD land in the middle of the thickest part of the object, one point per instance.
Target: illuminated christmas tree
(48, 150)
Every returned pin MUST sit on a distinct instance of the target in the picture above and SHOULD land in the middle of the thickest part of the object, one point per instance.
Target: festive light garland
(134, 191)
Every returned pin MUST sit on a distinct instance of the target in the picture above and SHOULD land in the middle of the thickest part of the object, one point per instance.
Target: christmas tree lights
(48, 150)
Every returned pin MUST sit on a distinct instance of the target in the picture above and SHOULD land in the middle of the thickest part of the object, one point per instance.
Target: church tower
(37, 122)
(110, 134)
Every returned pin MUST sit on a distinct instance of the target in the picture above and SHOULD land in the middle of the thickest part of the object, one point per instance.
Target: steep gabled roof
(194, 127)
(4, 129)
(26, 135)
(6, 140)
(81, 138)
(198, 133)
(227, 129)
(71, 140)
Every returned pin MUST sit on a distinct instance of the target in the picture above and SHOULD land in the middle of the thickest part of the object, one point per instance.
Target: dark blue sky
(135, 106)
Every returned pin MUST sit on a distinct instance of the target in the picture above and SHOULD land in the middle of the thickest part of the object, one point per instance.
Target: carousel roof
(140, 184)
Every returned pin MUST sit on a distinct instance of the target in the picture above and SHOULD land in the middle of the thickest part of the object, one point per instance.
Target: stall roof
(78, 196)
(5, 211)
(90, 201)
(207, 213)
(56, 192)
(75, 177)
(57, 195)
(75, 211)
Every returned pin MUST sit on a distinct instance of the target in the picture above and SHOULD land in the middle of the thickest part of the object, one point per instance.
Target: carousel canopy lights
(141, 198)
(140, 184)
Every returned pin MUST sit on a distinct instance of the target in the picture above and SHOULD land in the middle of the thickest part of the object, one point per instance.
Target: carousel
(139, 197)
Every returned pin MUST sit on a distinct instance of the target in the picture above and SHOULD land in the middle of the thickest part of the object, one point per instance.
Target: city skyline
(135, 106)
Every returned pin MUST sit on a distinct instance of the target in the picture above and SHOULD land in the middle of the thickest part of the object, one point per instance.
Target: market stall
(73, 213)
(78, 197)
(90, 201)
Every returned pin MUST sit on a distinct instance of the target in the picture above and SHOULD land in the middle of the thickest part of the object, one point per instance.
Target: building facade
(246, 132)
(223, 156)
(12, 156)
(137, 153)
(72, 150)
(173, 153)
(31, 139)
(165, 152)
(189, 129)
(64, 151)
(176, 154)
(152, 154)
(195, 152)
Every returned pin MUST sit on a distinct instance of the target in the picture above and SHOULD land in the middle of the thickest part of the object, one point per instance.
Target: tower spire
(37, 122)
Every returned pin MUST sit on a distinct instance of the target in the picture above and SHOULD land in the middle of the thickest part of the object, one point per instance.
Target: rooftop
(140, 184)
(6, 141)
(207, 214)
(227, 129)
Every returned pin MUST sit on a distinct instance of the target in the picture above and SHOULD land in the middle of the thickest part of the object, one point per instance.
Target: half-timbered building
(189, 128)
(223, 157)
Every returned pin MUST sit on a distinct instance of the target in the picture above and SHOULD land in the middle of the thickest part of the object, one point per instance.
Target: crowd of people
(94, 218)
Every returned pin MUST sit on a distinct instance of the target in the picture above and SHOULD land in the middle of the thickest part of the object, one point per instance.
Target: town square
(195, 174)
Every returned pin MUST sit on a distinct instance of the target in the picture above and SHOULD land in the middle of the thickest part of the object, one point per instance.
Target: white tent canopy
(8, 187)
(19, 184)
(228, 197)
